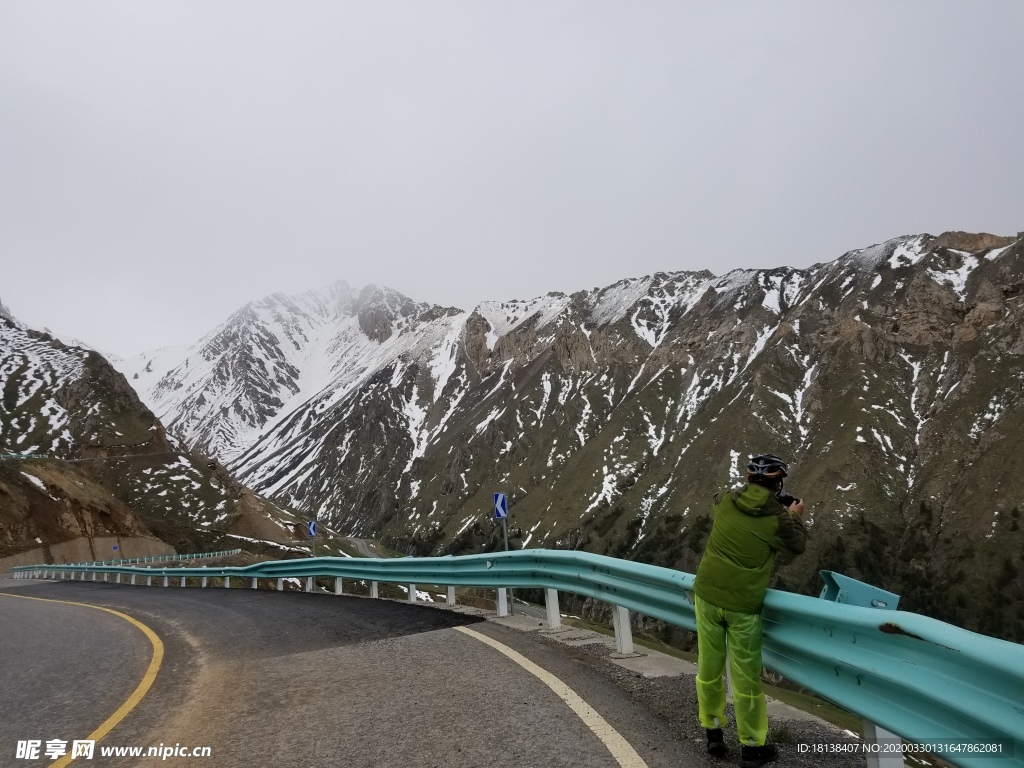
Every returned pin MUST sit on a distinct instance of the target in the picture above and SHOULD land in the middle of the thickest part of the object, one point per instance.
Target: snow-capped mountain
(84, 459)
(891, 377)
(269, 357)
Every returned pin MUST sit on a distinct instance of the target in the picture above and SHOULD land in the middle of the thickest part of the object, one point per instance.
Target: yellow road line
(140, 690)
(621, 749)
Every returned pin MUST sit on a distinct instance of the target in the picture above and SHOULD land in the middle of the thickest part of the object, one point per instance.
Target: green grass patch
(818, 707)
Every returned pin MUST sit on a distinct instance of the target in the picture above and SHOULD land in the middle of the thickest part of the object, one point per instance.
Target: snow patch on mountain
(612, 303)
(32, 371)
(956, 277)
(506, 316)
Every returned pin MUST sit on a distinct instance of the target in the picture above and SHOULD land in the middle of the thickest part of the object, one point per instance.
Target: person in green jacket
(751, 526)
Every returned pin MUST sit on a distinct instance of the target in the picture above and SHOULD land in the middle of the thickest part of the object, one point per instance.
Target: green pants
(718, 629)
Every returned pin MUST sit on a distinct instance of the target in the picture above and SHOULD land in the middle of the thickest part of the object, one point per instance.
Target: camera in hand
(786, 499)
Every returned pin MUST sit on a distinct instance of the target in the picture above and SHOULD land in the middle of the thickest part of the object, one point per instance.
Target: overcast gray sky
(161, 163)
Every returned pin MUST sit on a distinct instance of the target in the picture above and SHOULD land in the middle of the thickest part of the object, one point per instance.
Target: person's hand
(797, 508)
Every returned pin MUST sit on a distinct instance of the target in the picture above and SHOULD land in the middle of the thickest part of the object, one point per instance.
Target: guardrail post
(623, 632)
(227, 582)
(93, 576)
(843, 589)
(183, 578)
(502, 601)
(551, 606)
(254, 582)
(309, 583)
(166, 580)
(280, 585)
(337, 585)
(117, 579)
(449, 598)
(133, 579)
(203, 582)
(149, 580)
(412, 593)
(105, 574)
(874, 733)
(373, 589)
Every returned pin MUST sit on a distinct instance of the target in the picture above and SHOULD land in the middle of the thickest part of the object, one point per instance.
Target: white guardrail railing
(921, 679)
(154, 559)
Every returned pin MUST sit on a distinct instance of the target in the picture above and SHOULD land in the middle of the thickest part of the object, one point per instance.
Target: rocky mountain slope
(83, 458)
(891, 377)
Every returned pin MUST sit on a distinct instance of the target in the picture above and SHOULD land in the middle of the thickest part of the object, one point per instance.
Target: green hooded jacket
(750, 527)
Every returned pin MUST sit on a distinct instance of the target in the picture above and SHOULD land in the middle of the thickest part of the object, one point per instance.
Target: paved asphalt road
(292, 679)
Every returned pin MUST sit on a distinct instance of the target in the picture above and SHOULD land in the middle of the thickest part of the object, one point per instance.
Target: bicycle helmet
(766, 466)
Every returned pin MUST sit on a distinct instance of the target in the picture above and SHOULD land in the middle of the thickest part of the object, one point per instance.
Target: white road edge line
(621, 749)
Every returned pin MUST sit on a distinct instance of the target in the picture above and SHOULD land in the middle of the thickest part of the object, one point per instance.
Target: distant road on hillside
(365, 547)
(292, 679)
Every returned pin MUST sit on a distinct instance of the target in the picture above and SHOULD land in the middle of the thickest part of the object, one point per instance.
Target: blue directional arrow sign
(500, 506)
(311, 525)
(115, 547)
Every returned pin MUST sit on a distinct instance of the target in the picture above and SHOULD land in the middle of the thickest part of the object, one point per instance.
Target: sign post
(311, 527)
(501, 513)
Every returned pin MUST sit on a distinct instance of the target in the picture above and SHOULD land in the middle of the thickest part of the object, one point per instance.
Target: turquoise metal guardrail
(915, 676)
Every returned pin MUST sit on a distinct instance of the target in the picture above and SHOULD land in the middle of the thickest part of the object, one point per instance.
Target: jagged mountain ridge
(890, 376)
(270, 356)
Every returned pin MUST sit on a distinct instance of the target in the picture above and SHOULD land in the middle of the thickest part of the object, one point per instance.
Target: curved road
(363, 545)
(39, 643)
(293, 679)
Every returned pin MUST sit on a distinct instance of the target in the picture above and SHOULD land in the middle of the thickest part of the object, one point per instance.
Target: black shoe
(755, 757)
(716, 742)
